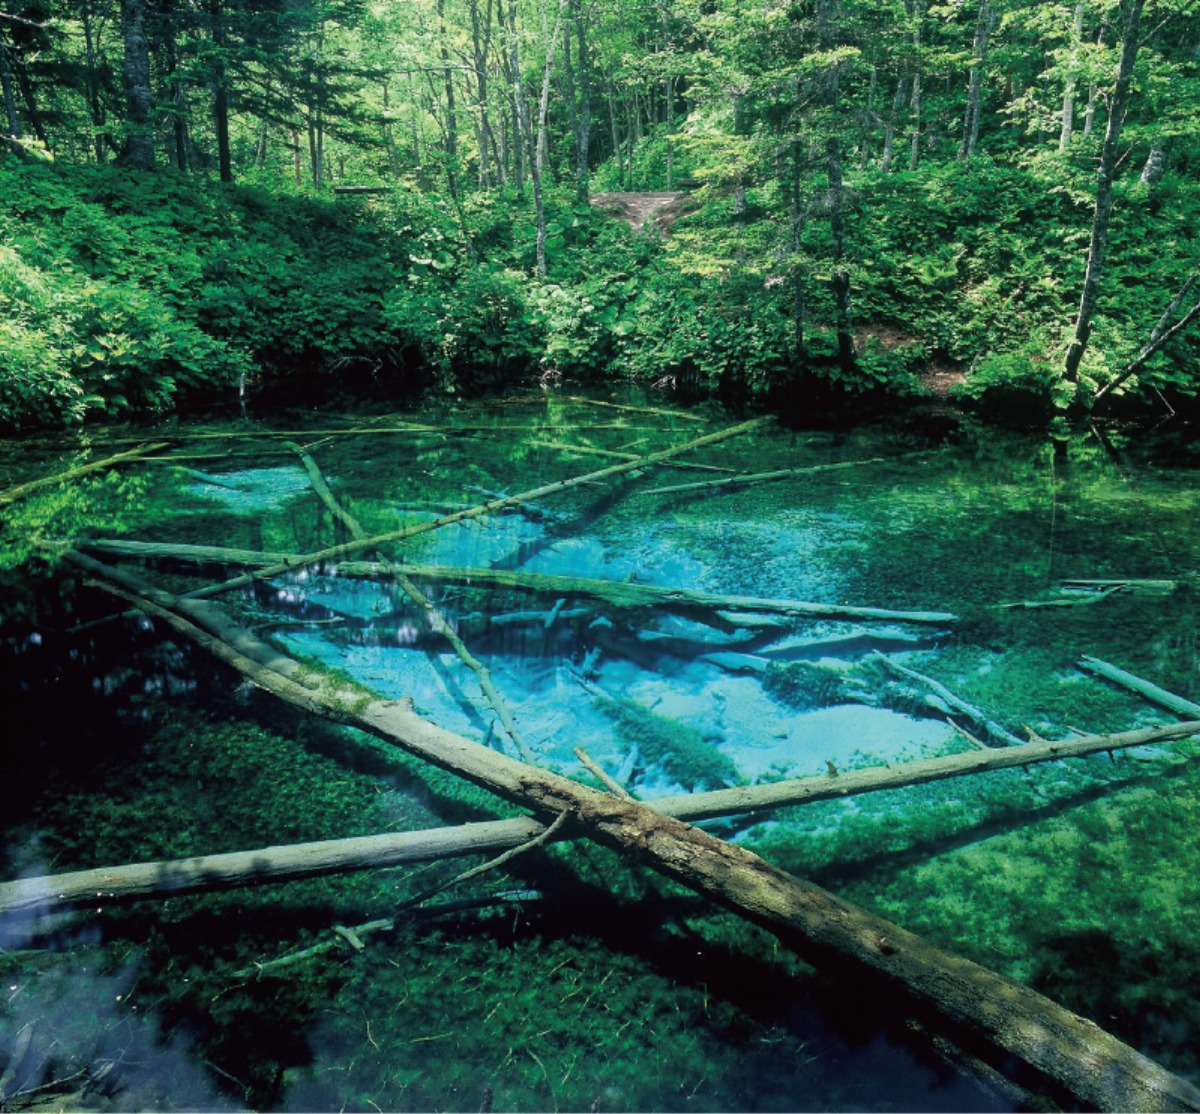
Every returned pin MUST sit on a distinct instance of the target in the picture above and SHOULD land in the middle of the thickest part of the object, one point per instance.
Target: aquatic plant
(678, 749)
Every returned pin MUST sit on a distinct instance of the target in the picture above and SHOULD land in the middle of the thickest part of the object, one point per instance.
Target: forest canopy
(198, 197)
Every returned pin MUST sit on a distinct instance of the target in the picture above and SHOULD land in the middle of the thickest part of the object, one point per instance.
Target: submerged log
(1014, 1029)
(621, 594)
(956, 702)
(765, 477)
(359, 544)
(1151, 692)
(12, 494)
(170, 878)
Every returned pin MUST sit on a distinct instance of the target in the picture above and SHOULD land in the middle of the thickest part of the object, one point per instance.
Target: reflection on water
(573, 980)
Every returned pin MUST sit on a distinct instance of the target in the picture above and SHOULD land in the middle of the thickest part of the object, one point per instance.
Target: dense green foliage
(877, 192)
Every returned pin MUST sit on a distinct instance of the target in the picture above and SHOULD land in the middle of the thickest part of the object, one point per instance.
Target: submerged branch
(12, 494)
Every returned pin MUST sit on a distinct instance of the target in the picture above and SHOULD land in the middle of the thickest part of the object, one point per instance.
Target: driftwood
(12, 494)
(956, 702)
(358, 545)
(764, 477)
(438, 622)
(1005, 1025)
(616, 593)
(614, 454)
(638, 409)
(1151, 692)
(171, 878)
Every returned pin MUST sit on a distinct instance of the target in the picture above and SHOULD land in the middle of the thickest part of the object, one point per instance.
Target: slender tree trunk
(220, 91)
(33, 114)
(985, 23)
(614, 127)
(139, 139)
(95, 107)
(539, 145)
(914, 104)
(175, 90)
(1068, 105)
(481, 32)
(451, 109)
(1109, 154)
(520, 113)
(297, 177)
(1089, 116)
(583, 146)
(10, 100)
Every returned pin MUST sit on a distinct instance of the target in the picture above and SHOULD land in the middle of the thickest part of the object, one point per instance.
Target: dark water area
(571, 978)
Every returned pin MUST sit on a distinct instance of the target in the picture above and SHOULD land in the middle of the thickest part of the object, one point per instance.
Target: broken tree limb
(12, 494)
(1156, 695)
(358, 545)
(621, 594)
(764, 477)
(1004, 1024)
(288, 862)
(613, 454)
(438, 622)
(638, 409)
(956, 702)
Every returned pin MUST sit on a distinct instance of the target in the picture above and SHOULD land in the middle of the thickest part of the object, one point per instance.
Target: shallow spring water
(573, 980)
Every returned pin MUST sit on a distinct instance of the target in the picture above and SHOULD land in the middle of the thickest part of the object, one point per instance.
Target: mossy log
(1043, 1046)
(954, 701)
(620, 594)
(12, 494)
(170, 878)
(1156, 695)
(764, 477)
(357, 545)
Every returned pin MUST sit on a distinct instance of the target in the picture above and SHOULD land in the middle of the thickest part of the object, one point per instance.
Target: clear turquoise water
(597, 983)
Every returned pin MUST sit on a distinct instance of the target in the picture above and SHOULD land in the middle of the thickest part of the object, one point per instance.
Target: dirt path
(659, 209)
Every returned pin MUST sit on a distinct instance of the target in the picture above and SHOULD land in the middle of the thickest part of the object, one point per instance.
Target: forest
(997, 200)
(600, 554)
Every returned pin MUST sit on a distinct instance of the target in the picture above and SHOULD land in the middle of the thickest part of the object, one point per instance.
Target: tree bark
(616, 593)
(1151, 692)
(985, 23)
(6, 87)
(287, 862)
(220, 91)
(1007, 1026)
(139, 140)
(1109, 156)
(1068, 104)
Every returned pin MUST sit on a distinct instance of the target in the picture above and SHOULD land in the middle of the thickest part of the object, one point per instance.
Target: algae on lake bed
(600, 982)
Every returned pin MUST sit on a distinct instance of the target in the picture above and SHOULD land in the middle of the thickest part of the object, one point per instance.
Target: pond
(668, 623)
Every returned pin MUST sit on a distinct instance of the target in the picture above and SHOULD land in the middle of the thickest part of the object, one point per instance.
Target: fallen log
(1015, 1030)
(764, 477)
(614, 454)
(955, 702)
(638, 409)
(288, 862)
(12, 494)
(621, 594)
(438, 622)
(1151, 692)
(359, 544)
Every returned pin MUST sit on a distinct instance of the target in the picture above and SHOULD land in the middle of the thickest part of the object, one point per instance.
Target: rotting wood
(638, 409)
(438, 622)
(602, 775)
(1008, 1026)
(1160, 696)
(614, 454)
(764, 477)
(288, 862)
(956, 702)
(616, 593)
(358, 545)
(12, 494)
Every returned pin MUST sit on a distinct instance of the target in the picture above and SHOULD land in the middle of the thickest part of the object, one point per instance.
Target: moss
(804, 686)
(678, 749)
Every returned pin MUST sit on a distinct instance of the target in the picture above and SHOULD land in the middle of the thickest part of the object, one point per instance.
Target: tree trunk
(1007, 1026)
(583, 152)
(220, 91)
(985, 23)
(451, 109)
(6, 86)
(539, 144)
(139, 139)
(917, 11)
(1068, 105)
(1109, 156)
(203, 874)
(1156, 163)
